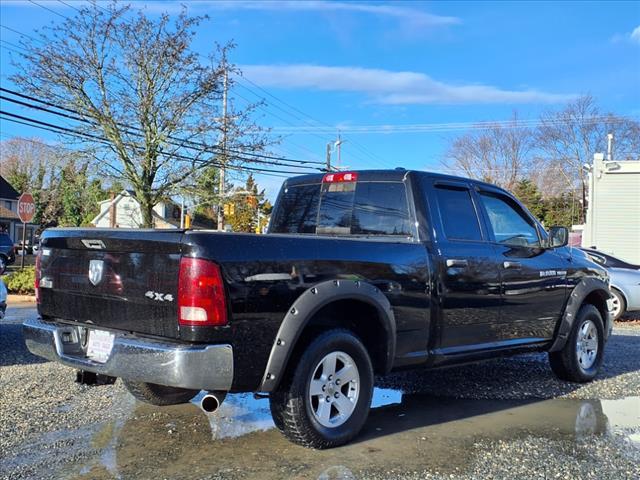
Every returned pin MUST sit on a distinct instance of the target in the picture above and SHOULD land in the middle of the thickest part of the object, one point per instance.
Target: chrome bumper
(208, 367)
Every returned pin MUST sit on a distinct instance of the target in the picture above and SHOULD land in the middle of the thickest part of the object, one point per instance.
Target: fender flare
(584, 288)
(307, 305)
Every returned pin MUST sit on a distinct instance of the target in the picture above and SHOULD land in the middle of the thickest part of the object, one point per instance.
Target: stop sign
(26, 207)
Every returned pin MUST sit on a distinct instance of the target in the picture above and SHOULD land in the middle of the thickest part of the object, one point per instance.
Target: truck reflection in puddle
(404, 433)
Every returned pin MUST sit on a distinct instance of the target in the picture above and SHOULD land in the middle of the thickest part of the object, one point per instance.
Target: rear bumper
(201, 367)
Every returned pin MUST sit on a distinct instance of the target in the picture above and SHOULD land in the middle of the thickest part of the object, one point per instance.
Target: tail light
(201, 296)
(37, 275)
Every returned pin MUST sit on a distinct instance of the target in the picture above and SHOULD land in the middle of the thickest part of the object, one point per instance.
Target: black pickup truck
(361, 273)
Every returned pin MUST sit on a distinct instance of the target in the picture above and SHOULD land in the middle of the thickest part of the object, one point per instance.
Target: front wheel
(619, 304)
(3, 264)
(160, 395)
(325, 401)
(581, 357)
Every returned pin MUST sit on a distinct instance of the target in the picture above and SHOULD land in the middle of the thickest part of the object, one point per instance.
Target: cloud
(391, 88)
(413, 17)
(633, 37)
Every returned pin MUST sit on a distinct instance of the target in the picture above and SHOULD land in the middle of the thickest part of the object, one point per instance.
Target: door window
(510, 225)
(458, 214)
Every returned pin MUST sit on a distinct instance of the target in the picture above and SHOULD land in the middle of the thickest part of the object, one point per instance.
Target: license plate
(99, 345)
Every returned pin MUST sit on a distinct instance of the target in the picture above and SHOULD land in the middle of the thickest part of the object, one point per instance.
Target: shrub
(21, 281)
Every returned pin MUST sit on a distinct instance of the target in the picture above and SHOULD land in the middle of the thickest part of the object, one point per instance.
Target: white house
(127, 214)
(9, 221)
(613, 209)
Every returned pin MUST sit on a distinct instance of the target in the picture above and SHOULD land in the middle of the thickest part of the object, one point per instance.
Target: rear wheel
(581, 357)
(619, 304)
(325, 401)
(159, 394)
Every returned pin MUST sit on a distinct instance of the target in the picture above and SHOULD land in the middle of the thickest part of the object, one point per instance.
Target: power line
(436, 127)
(12, 117)
(361, 147)
(20, 33)
(49, 9)
(71, 6)
(183, 143)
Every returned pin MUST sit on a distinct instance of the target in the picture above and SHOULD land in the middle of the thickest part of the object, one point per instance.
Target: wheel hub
(334, 389)
(587, 344)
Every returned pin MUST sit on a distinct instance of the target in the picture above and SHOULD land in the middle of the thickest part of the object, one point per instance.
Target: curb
(13, 298)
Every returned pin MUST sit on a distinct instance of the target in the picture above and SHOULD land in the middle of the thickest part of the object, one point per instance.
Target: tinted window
(365, 208)
(509, 223)
(459, 218)
(336, 207)
(380, 209)
(5, 239)
(297, 210)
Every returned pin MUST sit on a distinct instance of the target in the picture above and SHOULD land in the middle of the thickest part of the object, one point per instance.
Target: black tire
(565, 363)
(623, 304)
(3, 264)
(292, 408)
(160, 395)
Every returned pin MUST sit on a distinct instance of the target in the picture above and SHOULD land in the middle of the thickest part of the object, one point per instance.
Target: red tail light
(37, 276)
(340, 177)
(201, 297)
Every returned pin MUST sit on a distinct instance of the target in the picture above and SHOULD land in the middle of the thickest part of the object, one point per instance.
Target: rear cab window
(335, 208)
(458, 213)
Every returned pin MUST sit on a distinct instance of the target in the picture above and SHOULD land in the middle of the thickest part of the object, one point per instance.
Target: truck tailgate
(120, 279)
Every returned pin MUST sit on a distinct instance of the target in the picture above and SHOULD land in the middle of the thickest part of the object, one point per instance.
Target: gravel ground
(478, 421)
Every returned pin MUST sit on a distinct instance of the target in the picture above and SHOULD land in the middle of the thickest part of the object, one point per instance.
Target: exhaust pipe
(212, 401)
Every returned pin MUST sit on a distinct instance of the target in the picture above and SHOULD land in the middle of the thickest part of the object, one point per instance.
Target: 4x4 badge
(96, 269)
(160, 297)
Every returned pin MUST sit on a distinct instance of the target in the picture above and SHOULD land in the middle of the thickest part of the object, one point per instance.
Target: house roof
(7, 191)
(6, 213)
(120, 196)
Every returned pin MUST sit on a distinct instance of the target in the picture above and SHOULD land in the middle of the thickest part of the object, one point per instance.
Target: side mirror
(558, 237)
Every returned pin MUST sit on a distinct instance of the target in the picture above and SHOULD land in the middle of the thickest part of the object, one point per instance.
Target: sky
(396, 80)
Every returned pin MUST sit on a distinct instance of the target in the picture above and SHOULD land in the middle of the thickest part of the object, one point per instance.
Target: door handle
(457, 262)
(511, 264)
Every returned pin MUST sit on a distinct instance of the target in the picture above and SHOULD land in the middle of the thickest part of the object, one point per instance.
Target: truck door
(533, 279)
(467, 270)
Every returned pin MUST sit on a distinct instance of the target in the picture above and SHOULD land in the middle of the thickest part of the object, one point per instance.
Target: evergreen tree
(528, 193)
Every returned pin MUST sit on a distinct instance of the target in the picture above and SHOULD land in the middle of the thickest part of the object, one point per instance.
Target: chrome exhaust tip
(212, 401)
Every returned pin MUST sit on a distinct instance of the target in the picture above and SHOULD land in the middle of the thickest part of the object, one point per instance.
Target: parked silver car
(625, 281)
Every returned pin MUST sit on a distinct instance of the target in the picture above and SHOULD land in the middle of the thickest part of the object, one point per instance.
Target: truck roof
(390, 175)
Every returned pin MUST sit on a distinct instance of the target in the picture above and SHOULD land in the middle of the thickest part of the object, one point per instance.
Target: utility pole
(338, 147)
(221, 187)
(329, 157)
(182, 212)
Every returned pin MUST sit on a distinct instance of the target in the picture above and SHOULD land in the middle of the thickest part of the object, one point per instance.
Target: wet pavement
(408, 435)
(404, 434)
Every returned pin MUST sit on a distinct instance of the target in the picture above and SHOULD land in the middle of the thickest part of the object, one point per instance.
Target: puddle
(404, 433)
(241, 414)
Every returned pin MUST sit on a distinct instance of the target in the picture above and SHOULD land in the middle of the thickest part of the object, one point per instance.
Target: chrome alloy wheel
(334, 389)
(616, 306)
(587, 344)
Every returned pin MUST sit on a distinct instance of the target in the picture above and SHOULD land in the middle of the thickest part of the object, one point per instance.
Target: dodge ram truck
(361, 273)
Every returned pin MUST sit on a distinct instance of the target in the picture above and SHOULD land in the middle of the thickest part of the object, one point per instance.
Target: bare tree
(27, 164)
(568, 139)
(143, 97)
(494, 153)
